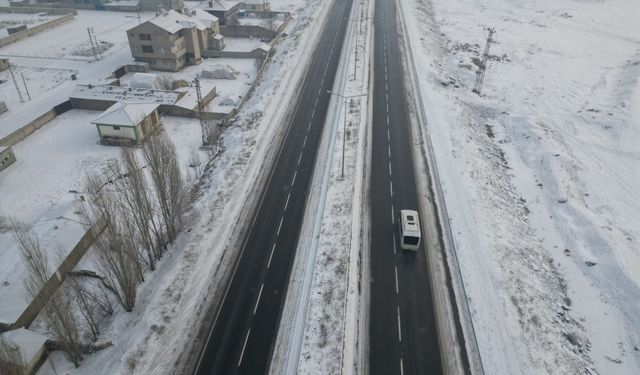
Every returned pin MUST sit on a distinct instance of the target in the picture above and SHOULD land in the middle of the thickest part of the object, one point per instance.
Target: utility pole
(16, 84)
(93, 46)
(483, 63)
(203, 127)
(25, 86)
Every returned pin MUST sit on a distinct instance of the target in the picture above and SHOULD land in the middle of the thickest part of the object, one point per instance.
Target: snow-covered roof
(172, 22)
(124, 94)
(204, 16)
(145, 81)
(125, 114)
(29, 343)
(255, 2)
(218, 37)
(222, 5)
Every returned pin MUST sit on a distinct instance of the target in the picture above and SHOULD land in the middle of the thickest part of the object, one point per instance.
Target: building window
(145, 36)
(147, 49)
(116, 128)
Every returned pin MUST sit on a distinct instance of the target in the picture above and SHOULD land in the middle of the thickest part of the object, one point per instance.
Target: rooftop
(124, 94)
(125, 114)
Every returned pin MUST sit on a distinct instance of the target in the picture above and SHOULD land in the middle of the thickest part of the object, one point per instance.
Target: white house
(127, 122)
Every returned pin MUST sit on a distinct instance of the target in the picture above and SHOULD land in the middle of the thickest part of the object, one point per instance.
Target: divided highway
(243, 335)
(402, 329)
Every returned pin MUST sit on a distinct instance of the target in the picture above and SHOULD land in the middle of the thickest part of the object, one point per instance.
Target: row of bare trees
(142, 205)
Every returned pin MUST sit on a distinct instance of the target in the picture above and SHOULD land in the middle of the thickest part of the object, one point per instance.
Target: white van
(409, 230)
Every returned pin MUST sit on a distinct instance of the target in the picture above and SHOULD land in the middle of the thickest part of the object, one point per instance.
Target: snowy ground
(150, 339)
(541, 175)
(8, 20)
(48, 59)
(41, 187)
(241, 44)
(227, 90)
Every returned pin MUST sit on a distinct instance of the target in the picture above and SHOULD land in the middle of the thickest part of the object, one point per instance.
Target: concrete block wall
(26, 130)
(36, 29)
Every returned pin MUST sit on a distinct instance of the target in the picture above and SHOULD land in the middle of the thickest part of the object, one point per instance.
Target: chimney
(210, 3)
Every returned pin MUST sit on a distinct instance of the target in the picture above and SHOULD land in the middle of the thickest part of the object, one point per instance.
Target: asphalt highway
(402, 330)
(243, 335)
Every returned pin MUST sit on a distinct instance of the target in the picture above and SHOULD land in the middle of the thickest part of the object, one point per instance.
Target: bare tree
(168, 185)
(85, 298)
(137, 207)
(11, 361)
(116, 251)
(34, 258)
(64, 326)
(57, 311)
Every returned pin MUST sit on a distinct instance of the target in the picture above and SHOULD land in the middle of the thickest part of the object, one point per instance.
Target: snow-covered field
(48, 59)
(41, 189)
(9, 20)
(541, 175)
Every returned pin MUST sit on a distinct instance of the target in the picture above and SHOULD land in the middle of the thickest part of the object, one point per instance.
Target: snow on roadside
(541, 175)
(150, 339)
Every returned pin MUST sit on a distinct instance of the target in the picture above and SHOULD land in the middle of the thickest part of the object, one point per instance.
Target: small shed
(26, 349)
(3, 107)
(6, 157)
(127, 123)
(4, 64)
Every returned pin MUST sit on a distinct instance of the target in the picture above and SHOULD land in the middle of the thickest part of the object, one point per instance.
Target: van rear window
(410, 240)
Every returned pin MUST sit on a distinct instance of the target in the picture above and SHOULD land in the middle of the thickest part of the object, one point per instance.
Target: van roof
(410, 222)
